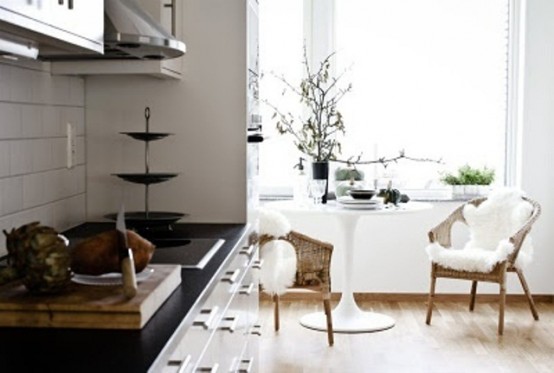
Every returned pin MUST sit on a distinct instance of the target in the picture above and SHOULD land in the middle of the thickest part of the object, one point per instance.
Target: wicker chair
(313, 261)
(442, 235)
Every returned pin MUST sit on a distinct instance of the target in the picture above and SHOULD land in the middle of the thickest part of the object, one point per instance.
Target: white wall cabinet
(59, 26)
(224, 332)
(169, 14)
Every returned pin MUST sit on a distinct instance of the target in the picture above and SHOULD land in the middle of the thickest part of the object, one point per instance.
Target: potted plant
(316, 130)
(469, 181)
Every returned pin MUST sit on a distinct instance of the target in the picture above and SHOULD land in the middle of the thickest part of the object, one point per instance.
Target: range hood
(130, 34)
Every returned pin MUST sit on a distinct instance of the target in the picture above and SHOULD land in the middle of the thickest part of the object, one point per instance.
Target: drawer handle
(211, 316)
(181, 364)
(70, 4)
(247, 289)
(256, 330)
(248, 363)
(231, 276)
(248, 250)
(258, 264)
(233, 323)
(212, 369)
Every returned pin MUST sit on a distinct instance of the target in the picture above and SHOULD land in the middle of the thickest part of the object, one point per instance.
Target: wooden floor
(456, 341)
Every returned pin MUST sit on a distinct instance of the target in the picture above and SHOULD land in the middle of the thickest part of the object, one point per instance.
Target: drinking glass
(317, 189)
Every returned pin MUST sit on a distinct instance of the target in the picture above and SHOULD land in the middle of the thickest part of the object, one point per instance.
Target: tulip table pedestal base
(348, 318)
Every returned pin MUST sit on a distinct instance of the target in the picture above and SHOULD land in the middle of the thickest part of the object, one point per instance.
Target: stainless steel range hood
(130, 34)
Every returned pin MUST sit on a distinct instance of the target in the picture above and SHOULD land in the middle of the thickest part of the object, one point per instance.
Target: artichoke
(39, 256)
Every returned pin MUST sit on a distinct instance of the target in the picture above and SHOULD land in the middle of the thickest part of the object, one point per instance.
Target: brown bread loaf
(99, 254)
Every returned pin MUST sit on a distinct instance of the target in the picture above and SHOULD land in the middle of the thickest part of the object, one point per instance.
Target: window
(429, 77)
(281, 42)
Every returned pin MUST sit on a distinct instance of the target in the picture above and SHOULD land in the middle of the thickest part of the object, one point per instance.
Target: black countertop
(95, 350)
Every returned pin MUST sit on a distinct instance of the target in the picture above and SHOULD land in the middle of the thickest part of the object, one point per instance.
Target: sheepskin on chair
(279, 257)
(490, 225)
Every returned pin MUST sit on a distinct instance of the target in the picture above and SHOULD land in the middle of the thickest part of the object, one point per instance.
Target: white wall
(538, 134)
(206, 111)
(34, 181)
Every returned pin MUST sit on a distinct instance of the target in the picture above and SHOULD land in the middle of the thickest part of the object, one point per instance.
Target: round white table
(347, 316)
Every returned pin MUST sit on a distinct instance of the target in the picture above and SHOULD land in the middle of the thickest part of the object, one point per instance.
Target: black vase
(320, 171)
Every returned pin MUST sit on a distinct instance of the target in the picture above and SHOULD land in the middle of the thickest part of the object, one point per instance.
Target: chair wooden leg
(328, 315)
(430, 300)
(473, 292)
(276, 311)
(527, 294)
(502, 303)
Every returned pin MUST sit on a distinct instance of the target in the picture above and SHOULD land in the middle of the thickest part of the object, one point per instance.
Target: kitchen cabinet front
(60, 26)
(169, 14)
(223, 334)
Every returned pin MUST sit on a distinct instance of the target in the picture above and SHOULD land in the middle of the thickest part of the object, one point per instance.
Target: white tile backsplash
(5, 78)
(60, 91)
(41, 87)
(21, 157)
(77, 92)
(53, 184)
(42, 154)
(52, 121)
(10, 121)
(58, 147)
(32, 116)
(35, 184)
(12, 195)
(21, 85)
(4, 158)
(33, 190)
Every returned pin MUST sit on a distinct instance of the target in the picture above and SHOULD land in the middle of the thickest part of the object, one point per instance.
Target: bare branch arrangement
(352, 161)
(316, 133)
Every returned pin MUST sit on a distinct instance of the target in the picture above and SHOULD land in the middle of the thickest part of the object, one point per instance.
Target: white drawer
(218, 338)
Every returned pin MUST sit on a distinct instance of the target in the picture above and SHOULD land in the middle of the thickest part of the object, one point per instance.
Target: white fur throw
(279, 269)
(490, 225)
(273, 223)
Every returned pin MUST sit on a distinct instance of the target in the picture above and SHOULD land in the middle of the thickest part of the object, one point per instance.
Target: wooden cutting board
(86, 306)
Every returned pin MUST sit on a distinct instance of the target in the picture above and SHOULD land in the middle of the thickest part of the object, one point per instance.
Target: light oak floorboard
(456, 341)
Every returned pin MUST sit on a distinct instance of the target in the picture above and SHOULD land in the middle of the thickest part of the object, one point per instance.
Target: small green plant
(470, 176)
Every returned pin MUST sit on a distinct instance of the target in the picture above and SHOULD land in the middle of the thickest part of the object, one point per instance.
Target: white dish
(109, 279)
(351, 201)
(371, 206)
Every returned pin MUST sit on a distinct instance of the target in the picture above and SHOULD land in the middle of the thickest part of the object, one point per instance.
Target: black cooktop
(173, 246)
(193, 253)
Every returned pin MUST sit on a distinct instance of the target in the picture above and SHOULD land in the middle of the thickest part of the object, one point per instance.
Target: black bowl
(361, 193)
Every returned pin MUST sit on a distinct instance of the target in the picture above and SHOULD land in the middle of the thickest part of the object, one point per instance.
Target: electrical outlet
(71, 146)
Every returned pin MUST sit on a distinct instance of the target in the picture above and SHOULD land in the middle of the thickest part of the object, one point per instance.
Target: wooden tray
(86, 306)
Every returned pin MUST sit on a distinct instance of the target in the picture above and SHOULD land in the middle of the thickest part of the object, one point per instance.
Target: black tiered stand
(146, 220)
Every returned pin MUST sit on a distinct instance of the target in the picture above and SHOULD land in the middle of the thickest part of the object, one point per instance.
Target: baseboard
(412, 297)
